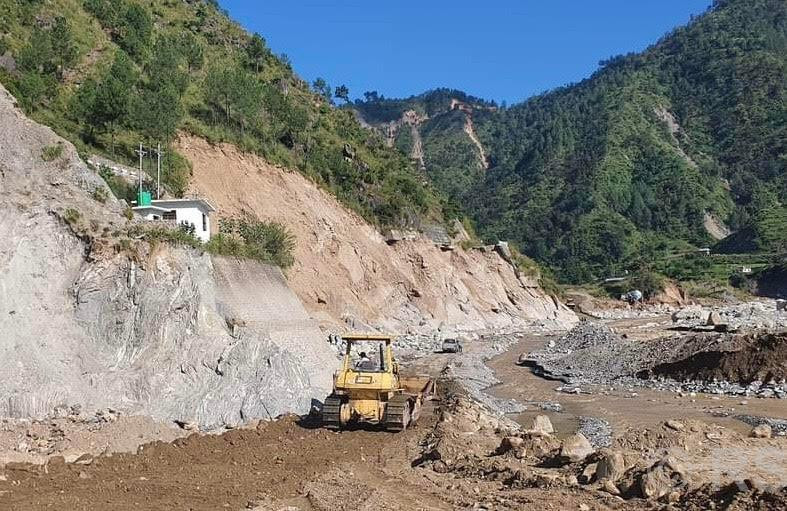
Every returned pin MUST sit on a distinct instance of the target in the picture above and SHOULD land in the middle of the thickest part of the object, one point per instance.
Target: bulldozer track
(397, 414)
(331, 412)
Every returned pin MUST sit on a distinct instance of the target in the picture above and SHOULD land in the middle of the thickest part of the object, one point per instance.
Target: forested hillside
(653, 154)
(109, 74)
(440, 117)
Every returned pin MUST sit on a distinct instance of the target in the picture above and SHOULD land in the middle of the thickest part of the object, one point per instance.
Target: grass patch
(72, 216)
(267, 242)
(52, 152)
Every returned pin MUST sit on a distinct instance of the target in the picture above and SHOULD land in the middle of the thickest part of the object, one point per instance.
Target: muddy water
(622, 407)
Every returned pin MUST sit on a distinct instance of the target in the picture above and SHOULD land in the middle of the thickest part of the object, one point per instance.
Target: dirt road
(273, 461)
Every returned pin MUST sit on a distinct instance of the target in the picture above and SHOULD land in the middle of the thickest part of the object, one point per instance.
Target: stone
(589, 473)
(576, 448)
(656, 482)
(510, 443)
(675, 425)
(85, 459)
(762, 431)
(188, 425)
(542, 425)
(609, 487)
(714, 318)
(674, 465)
(584, 507)
(611, 465)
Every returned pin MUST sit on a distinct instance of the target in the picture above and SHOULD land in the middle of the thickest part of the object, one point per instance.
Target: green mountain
(656, 153)
(109, 74)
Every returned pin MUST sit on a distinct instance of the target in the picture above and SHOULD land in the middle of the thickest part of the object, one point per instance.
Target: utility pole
(158, 172)
(141, 154)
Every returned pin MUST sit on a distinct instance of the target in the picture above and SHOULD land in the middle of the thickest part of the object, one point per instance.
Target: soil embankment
(742, 359)
(345, 273)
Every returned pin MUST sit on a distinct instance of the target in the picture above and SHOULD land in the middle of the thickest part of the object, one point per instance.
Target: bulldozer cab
(368, 353)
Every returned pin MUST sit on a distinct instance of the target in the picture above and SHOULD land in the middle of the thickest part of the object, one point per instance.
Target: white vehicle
(451, 346)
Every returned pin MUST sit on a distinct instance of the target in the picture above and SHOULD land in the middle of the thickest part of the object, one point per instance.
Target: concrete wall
(194, 216)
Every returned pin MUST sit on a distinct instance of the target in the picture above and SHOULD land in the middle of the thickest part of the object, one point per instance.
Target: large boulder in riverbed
(575, 448)
(611, 465)
(542, 425)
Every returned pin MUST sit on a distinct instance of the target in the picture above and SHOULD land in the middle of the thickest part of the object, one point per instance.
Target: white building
(180, 211)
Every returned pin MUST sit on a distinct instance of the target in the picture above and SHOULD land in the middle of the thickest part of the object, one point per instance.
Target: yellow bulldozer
(369, 388)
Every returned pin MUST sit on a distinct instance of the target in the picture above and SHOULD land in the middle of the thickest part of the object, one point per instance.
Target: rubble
(715, 363)
(760, 314)
(761, 431)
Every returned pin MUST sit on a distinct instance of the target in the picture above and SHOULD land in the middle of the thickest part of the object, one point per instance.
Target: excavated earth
(740, 359)
(460, 456)
(345, 273)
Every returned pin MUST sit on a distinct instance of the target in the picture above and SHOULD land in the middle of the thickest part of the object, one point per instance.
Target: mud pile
(738, 364)
(462, 456)
(738, 359)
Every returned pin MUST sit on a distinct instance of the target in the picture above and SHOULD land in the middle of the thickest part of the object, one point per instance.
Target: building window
(204, 223)
(170, 215)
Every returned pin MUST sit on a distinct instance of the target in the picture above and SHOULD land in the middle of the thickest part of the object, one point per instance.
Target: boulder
(589, 473)
(575, 448)
(714, 319)
(675, 425)
(661, 479)
(542, 425)
(510, 443)
(762, 431)
(611, 465)
(609, 487)
(656, 482)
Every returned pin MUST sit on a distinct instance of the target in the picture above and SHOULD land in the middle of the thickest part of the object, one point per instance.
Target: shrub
(268, 242)
(178, 236)
(649, 282)
(120, 188)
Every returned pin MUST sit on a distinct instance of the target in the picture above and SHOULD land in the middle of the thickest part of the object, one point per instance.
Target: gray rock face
(168, 332)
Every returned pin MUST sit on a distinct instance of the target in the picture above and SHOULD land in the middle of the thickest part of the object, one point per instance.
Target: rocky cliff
(92, 318)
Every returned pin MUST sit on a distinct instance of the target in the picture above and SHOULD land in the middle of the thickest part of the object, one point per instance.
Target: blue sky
(496, 49)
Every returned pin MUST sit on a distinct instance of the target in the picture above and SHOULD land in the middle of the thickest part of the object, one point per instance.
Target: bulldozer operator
(364, 363)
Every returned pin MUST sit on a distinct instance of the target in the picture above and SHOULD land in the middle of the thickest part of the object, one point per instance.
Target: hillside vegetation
(109, 74)
(628, 166)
